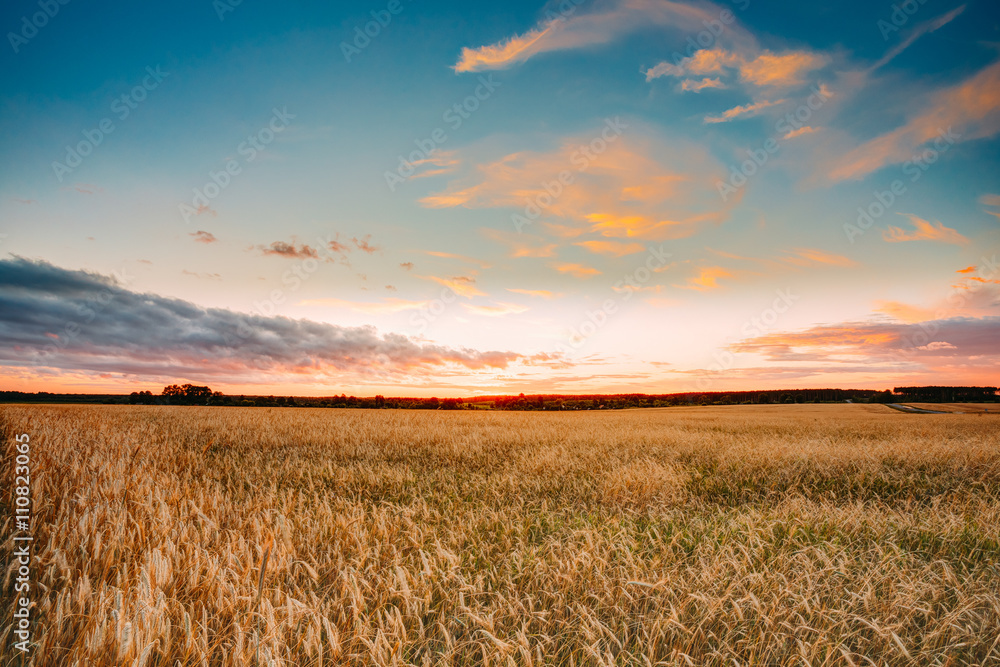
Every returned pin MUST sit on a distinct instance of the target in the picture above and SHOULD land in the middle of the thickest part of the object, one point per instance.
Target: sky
(418, 198)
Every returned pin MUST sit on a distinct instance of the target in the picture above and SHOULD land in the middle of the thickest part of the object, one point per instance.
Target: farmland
(746, 535)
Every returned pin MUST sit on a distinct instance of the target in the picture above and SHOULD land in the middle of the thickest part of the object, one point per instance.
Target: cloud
(407, 265)
(812, 256)
(460, 285)
(464, 258)
(577, 270)
(963, 112)
(745, 110)
(521, 245)
(696, 86)
(545, 294)
(364, 244)
(203, 237)
(923, 231)
(154, 337)
(497, 310)
(613, 248)
(919, 31)
(881, 341)
(390, 305)
(282, 249)
(641, 186)
(707, 279)
(209, 276)
(759, 68)
(805, 129)
(583, 29)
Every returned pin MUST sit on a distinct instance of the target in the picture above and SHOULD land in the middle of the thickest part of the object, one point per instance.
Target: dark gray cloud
(81, 321)
(953, 337)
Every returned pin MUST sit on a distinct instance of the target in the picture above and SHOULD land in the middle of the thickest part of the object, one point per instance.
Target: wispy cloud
(462, 258)
(969, 110)
(460, 285)
(543, 293)
(584, 29)
(203, 237)
(577, 270)
(923, 231)
(642, 186)
(707, 279)
(757, 68)
(390, 305)
(918, 32)
(613, 248)
(698, 85)
(498, 310)
(745, 110)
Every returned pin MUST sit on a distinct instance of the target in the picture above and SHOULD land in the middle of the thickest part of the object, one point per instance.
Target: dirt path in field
(919, 411)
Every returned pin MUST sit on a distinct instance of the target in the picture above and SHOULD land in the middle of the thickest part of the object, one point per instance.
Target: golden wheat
(765, 535)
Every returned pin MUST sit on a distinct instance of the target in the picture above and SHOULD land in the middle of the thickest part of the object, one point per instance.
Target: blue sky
(438, 259)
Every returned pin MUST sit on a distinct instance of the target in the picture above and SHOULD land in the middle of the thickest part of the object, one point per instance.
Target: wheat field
(756, 535)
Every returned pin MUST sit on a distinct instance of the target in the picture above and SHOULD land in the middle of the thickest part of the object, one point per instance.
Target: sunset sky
(424, 198)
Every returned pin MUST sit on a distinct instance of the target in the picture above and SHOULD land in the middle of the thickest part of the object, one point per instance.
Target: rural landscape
(534, 333)
(731, 535)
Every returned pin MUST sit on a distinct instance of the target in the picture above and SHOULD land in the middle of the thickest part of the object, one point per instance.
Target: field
(757, 535)
(965, 408)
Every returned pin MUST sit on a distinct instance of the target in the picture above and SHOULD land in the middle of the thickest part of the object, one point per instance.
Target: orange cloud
(460, 285)
(503, 54)
(805, 129)
(759, 68)
(498, 310)
(745, 110)
(619, 191)
(924, 231)
(781, 69)
(522, 245)
(463, 258)
(812, 256)
(707, 278)
(696, 86)
(545, 294)
(613, 248)
(577, 270)
(969, 110)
